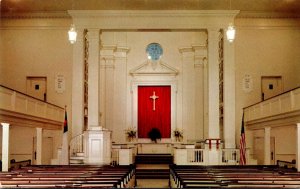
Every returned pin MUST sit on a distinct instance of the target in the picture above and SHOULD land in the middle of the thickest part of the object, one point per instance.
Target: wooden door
(47, 150)
(272, 146)
(271, 86)
(259, 150)
(37, 87)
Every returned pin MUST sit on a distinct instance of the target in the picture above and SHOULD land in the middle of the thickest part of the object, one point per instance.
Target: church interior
(152, 90)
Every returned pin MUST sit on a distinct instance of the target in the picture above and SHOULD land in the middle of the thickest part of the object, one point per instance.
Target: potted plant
(130, 133)
(154, 134)
(178, 134)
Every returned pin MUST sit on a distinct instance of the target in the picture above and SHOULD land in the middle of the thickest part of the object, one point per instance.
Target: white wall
(186, 100)
(265, 47)
(39, 47)
(35, 47)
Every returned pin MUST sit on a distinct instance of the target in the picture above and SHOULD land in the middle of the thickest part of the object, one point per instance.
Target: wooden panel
(275, 106)
(296, 99)
(40, 109)
(31, 106)
(265, 109)
(21, 104)
(286, 103)
(5, 98)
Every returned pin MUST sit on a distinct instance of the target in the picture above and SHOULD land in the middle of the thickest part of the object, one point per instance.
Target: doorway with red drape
(154, 112)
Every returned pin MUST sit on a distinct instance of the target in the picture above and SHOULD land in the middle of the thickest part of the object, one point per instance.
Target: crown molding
(35, 15)
(268, 15)
(96, 13)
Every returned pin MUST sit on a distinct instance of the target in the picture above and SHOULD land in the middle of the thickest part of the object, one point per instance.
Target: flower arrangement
(178, 134)
(154, 134)
(130, 133)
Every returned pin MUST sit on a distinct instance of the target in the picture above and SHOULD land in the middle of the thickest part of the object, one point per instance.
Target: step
(77, 157)
(81, 154)
(154, 159)
(152, 173)
(76, 161)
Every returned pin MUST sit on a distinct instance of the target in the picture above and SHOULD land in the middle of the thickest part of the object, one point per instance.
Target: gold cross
(154, 97)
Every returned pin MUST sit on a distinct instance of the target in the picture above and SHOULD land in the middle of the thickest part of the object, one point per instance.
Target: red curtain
(160, 117)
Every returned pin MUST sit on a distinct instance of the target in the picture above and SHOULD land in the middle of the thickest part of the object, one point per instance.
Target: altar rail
(15, 107)
(287, 102)
(186, 156)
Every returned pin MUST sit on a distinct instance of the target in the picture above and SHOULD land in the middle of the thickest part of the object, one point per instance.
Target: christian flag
(243, 145)
(66, 122)
(65, 144)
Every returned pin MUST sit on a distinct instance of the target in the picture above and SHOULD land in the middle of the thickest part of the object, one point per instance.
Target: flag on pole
(64, 159)
(66, 122)
(243, 144)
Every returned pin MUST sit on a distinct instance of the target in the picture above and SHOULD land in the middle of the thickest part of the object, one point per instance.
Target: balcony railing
(285, 103)
(15, 107)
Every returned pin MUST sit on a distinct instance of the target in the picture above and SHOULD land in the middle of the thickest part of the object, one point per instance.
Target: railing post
(5, 146)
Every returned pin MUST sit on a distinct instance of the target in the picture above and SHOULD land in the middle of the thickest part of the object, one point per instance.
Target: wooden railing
(195, 156)
(285, 103)
(229, 156)
(189, 156)
(16, 106)
(76, 145)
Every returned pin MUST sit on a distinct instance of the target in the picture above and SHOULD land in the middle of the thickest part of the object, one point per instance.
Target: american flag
(243, 145)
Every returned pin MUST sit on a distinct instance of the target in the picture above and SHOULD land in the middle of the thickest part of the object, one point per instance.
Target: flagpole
(242, 144)
(65, 141)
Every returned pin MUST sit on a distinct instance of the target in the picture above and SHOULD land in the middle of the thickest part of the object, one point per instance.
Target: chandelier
(72, 34)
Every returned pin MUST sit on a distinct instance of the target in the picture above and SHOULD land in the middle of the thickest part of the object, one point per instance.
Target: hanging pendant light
(230, 33)
(72, 34)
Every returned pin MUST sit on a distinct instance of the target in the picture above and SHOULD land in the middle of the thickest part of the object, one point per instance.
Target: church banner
(154, 110)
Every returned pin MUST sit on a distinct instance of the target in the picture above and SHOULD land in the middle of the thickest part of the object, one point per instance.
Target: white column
(39, 142)
(267, 153)
(213, 83)
(5, 146)
(229, 94)
(298, 147)
(77, 87)
(93, 79)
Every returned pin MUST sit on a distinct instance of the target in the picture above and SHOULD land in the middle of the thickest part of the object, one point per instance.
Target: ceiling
(286, 6)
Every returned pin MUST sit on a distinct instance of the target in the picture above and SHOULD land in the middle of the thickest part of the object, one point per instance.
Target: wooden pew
(229, 176)
(69, 176)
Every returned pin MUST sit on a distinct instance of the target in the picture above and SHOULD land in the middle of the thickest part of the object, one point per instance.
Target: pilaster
(188, 91)
(107, 66)
(213, 83)
(120, 92)
(200, 57)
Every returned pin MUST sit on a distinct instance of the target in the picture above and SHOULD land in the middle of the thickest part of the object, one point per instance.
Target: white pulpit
(97, 146)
